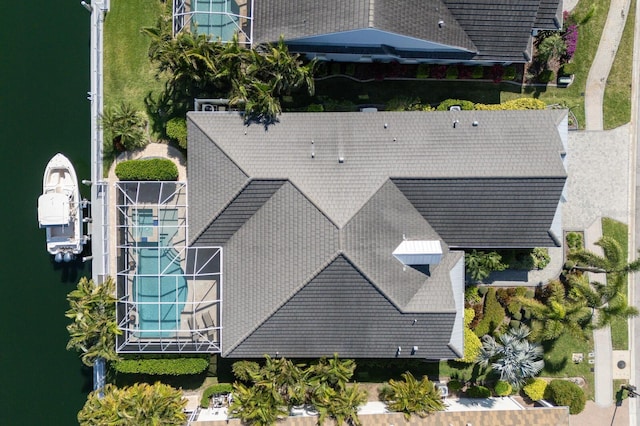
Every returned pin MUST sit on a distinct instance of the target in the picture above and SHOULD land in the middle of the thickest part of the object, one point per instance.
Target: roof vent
(475, 123)
(341, 159)
(455, 123)
(425, 252)
(313, 151)
(386, 125)
(440, 23)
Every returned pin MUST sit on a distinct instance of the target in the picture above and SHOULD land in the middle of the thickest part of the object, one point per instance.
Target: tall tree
(94, 327)
(138, 405)
(512, 356)
(612, 262)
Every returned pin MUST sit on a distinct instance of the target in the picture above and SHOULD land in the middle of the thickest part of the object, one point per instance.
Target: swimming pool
(217, 18)
(159, 290)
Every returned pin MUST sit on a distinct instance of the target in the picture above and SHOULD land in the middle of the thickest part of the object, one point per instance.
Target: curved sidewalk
(599, 71)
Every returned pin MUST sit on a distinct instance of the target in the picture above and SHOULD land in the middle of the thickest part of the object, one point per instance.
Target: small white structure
(423, 252)
(60, 209)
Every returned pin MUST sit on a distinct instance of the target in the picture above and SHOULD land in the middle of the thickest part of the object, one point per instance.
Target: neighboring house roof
(308, 238)
(489, 30)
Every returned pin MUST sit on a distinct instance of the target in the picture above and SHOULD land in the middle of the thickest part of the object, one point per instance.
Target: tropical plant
(339, 404)
(140, 404)
(613, 260)
(93, 330)
(480, 264)
(552, 48)
(410, 396)
(246, 370)
(557, 314)
(125, 127)
(260, 404)
(334, 372)
(512, 356)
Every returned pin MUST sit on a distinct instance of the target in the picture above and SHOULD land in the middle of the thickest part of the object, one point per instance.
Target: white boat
(60, 209)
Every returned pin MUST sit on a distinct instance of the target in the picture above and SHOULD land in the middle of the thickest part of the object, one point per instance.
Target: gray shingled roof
(293, 211)
(495, 30)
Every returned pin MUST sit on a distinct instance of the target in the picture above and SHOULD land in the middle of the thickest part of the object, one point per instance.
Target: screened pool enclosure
(220, 19)
(168, 294)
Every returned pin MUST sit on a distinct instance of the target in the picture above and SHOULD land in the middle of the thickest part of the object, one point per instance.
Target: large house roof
(491, 30)
(320, 195)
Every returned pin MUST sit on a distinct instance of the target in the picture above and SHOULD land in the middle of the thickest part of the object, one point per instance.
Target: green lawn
(129, 75)
(617, 94)
(558, 362)
(619, 327)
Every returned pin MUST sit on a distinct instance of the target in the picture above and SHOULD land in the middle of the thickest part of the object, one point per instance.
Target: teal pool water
(145, 222)
(160, 290)
(219, 25)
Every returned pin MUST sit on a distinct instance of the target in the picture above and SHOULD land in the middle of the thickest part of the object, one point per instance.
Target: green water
(44, 77)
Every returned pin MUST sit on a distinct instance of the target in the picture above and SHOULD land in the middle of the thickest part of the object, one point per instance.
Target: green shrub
(315, 108)
(565, 393)
(423, 71)
(478, 72)
(509, 73)
(147, 169)
(529, 293)
(218, 388)
(517, 315)
(452, 72)
(574, 241)
(493, 315)
(336, 68)
(545, 76)
(514, 324)
(471, 294)
(541, 258)
(177, 130)
(568, 69)
(502, 388)
(162, 366)
(351, 69)
(483, 290)
(447, 103)
(534, 389)
(472, 343)
(514, 104)
(455, 385)
(478, 392)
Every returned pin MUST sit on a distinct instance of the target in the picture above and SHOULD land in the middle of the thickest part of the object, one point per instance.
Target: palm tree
(557, 314)
(411, 396)
(612, 261)
(334, 372)
(260, 405)
(341, 404)
(94, 327)
(606, 301)
(513, 356)
(140, 404)
(125, 127)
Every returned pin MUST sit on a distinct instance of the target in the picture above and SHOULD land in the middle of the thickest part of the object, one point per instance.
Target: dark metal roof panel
(281, 247)
(213, 178)
(487, 212)
(234, 215)
(340, 311)
(549, 15)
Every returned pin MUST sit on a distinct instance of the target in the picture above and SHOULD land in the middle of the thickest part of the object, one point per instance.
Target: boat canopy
(53, 209)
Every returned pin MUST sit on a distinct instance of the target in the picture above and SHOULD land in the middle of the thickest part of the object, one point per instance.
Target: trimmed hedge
(153, 169)
(502, 388)
(455, 385)
(177, 130)
(478, 392)
(447, 103)
(478, 72)
(565, 393)
(535, 388)
(493, 315)
(162, 366)
(514, 104)
(472, 343)
(218, 388)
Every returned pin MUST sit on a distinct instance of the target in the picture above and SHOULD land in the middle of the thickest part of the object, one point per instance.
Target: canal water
(44, 76)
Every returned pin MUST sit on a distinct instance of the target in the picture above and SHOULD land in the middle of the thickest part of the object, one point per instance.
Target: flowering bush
(570, 37)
